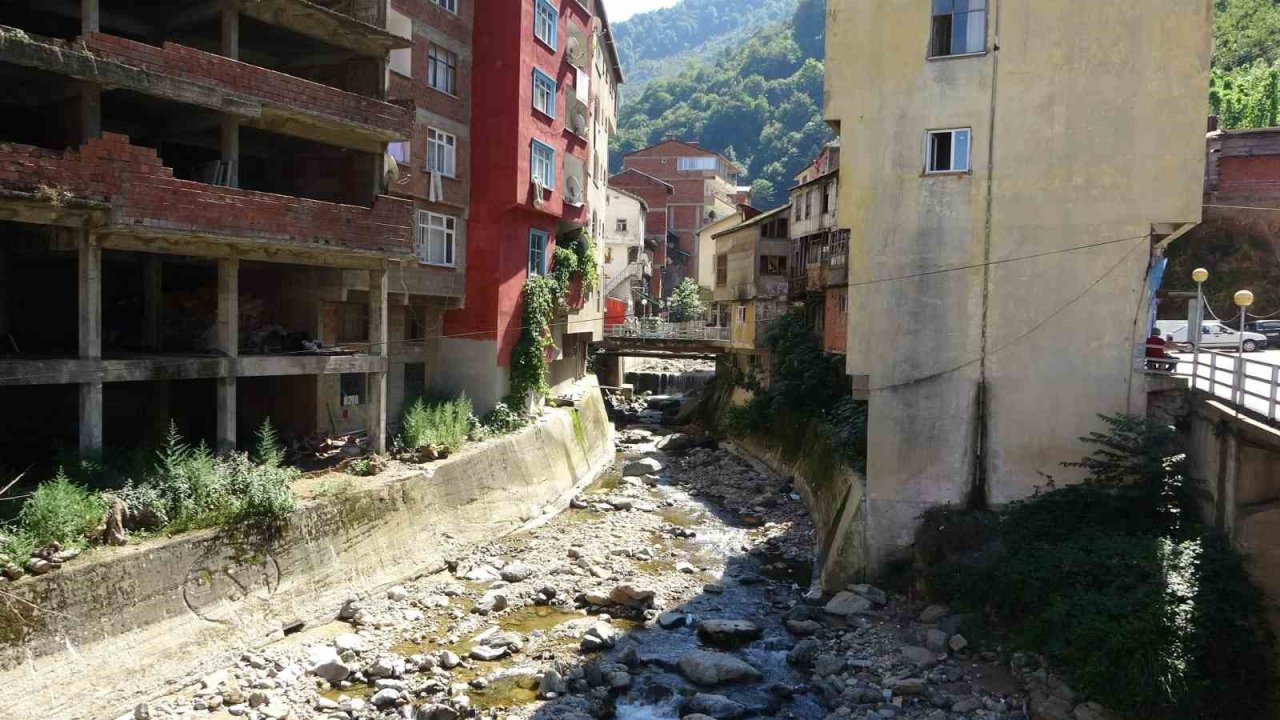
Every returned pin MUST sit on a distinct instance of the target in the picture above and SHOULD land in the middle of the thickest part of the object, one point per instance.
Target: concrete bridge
(653, 338)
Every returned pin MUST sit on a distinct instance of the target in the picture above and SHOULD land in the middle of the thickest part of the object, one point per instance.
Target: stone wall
(120, 625)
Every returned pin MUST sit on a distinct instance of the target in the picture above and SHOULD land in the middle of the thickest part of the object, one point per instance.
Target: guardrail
(651, 329)
(1249, 384)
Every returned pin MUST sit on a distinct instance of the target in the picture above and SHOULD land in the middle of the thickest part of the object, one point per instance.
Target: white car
(1214, 336)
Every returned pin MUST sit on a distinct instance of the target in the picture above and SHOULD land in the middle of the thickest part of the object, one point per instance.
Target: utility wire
(570, 322)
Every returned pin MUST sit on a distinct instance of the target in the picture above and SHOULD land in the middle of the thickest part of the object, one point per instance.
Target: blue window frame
(544, 93)
(538, 252)
(542, 164)
(546, 21)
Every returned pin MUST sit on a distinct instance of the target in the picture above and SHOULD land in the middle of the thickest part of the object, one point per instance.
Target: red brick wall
(1258, 175)
(250, 80)
(143, 192)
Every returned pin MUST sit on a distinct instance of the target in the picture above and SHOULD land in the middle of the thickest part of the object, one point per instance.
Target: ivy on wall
(574, 256)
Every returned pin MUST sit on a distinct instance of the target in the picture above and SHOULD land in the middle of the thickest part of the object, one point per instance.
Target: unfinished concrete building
(195, 225)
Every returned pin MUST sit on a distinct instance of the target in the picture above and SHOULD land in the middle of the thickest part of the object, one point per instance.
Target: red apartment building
(694, 187)
(543, 102)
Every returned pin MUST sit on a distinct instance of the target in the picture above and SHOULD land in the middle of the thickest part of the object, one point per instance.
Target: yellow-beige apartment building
(1009, 173)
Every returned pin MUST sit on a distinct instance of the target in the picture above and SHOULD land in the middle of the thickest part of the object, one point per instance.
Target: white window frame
(436, 239)
(544, 86)
(742, 314)
(954, 162)
(546, 22)
(442, 69)
(620, 225)
(450, 5)
(535, 159)
(442, 153)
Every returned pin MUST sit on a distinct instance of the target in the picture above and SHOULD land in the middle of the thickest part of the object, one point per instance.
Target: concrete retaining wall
(1235, 461)
(837, 505)
(117, 627)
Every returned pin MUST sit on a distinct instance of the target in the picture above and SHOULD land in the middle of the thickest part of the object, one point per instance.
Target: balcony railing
(657, 329)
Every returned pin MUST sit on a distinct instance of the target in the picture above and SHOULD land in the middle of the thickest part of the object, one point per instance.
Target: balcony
(146, 200)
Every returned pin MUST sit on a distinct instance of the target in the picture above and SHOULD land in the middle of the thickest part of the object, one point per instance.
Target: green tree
(1245, 32)
(686, 302)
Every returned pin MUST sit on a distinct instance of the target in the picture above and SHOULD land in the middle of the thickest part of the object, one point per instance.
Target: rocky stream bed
(677, 586)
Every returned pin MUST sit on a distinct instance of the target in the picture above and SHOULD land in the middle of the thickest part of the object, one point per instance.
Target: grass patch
(1117, 583)
(437, 420)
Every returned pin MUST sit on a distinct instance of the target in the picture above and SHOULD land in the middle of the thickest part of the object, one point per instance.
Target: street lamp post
(1197, 317)
(1243, 299)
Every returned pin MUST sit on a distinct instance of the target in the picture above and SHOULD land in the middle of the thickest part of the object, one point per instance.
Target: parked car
(1270, 328)
(1213, 336)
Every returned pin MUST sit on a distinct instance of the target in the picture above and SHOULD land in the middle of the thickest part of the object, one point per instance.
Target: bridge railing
(655, 329)
(1248, 383)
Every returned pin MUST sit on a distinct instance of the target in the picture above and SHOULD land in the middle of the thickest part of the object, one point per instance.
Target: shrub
(60, 511)
(268, 450)
(190, 487)
(437, 422)
(686, 302)
(503, 419)
(1117, 584)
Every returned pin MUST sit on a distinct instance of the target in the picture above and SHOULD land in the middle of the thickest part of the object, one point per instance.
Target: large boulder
(642, 467)
(324, 662)
(728, 633)
(714, 706)
(713, 668)
(847, 603)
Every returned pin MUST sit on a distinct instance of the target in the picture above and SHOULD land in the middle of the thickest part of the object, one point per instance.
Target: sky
(620, 10)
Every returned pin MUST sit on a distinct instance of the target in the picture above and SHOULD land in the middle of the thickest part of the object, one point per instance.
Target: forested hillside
(658, 44)
(1245, 92)
(759, 102)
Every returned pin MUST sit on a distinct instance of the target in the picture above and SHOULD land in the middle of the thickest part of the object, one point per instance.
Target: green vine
(574, 255)
(539, 299)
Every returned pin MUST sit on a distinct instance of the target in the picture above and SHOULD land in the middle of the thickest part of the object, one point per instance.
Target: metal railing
(655, 329)
(1250, 384)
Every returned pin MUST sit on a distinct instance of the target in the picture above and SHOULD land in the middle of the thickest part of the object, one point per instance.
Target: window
(742, 314)
(798, 210)
(415, 380)
(399, 151)
(546, 20)
(542, 164)
(435, 238)
(808, 205)
(544, 93)
(352, 389)
(450, 5)
(442, 70)
(622, 225)
(842, 304)
(959, 27)
(442, 152)
(947, 151)
(691, 164)
(828, 198)
(537, 252)
(722, 270)
(773, 264)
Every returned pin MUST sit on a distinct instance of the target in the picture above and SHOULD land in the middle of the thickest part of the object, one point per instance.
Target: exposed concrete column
(89, 18)
(230, 31)
(89, 280)
(230, 148)
(378, 347)
(229, 346)
(152, 297)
